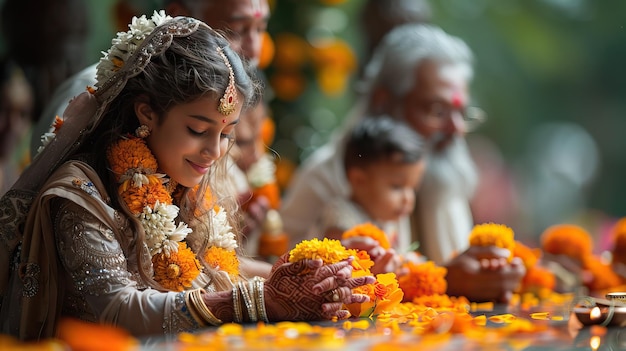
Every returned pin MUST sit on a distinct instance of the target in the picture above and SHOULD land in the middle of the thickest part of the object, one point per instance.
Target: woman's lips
(202, 169)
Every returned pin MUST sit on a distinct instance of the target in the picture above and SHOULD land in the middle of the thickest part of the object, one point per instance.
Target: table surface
(566, 333)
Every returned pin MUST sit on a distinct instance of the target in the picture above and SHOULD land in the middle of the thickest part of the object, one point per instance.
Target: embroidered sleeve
(98, 268)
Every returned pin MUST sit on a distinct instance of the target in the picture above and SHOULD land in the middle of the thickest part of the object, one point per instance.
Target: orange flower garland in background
(368, 230)
(491, 234)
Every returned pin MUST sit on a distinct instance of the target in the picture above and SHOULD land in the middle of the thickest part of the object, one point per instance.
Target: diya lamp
(604, 312)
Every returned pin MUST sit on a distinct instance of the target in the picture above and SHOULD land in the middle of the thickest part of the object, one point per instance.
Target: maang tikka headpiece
(228, 101)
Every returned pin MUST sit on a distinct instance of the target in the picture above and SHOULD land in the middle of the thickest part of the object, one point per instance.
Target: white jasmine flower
(262, 172)
(222, 235)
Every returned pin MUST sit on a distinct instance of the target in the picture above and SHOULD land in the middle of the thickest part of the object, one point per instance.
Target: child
(384, 162)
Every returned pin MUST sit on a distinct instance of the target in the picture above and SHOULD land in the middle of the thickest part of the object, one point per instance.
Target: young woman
(134, 225)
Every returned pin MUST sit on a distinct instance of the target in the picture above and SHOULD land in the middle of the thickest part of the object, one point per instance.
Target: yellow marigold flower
(147, 195)
(567, 239)
(176, 271)
(423, 279)
(369, 230)
(129, 154)
(328, 250)
(491, 234)
(224, 260)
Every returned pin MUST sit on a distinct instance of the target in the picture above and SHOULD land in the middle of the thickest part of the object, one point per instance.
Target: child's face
(190, 138)
(386, 189)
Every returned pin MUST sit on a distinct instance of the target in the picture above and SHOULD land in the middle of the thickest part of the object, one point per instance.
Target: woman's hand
(309, 290)
(484, 274)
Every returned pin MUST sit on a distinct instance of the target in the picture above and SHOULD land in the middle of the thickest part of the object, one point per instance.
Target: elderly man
(419, 74)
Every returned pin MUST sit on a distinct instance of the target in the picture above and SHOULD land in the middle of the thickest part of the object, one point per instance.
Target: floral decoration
(145, 193)
(567, 239)
(492, 234)
(126, 44)
(423, 279)
(369, 230)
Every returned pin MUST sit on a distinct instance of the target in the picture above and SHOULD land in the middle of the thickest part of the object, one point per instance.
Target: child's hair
(379, 138)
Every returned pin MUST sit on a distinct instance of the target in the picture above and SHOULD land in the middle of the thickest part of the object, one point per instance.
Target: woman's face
(190, 138)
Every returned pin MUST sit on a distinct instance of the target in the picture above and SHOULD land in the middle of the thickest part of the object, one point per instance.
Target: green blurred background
(539, 63)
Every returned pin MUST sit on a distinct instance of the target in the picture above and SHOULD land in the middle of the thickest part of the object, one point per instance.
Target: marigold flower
(536, 279)
(528, 255)
(368, 230)
(328, 250)
(176, 271)
(491, 234)
(146, 196)
(603, 275)
(385, 294)
(567, 239)
(131, 153)
(423, 279)
(222, 259)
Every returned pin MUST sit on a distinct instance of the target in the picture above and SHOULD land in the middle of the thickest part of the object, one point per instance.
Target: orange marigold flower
(271, 191)
(176, 271)
(619, 241)
(369, 230)
(442, 301)
(362, 260)
(423, 279)
(328, 250)
(526, 254)
(81, 335)
(224, 260)
(603, 275)
(491, 234)
(385, 294)
(131, 154)
(536, 279)
(567, 239)
(147, 195)
(58, 123)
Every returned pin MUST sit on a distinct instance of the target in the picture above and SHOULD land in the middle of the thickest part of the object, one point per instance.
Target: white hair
(402, 51)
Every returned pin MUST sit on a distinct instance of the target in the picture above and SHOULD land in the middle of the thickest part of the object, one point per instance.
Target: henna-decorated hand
(308, 290)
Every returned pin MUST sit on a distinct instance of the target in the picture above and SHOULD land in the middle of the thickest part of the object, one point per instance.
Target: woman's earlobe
(144, 113)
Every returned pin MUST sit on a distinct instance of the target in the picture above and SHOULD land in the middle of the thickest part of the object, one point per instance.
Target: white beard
(442, 214)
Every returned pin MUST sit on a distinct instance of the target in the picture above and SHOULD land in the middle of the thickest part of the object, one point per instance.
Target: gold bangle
(192, 310)
(260, 298)
(203, 309)
(247, 299)
(236, 306)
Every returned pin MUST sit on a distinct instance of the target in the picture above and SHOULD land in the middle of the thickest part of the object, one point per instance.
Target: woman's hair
(404, 49)
(380, 138)
(191, 68)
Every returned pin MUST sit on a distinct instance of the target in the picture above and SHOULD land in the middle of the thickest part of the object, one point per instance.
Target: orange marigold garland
(618, 236)
(368, 230)
(144, 192)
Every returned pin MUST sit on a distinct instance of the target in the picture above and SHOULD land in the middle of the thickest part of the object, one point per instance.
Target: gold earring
(142, 131)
